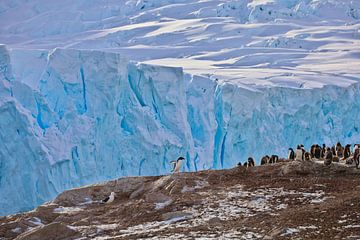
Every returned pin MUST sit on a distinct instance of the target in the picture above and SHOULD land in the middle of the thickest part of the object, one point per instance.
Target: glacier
(92, 91)
(96, 116)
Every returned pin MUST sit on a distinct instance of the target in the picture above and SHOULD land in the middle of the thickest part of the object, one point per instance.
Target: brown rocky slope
(288, 200)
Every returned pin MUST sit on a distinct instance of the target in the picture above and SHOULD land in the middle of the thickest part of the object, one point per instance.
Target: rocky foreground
(289, 200)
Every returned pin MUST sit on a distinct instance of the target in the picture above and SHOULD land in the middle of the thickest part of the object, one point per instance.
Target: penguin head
(180, 159)
(112, 194)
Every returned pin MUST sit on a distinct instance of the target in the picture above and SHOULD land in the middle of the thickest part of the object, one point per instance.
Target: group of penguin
(328, 154)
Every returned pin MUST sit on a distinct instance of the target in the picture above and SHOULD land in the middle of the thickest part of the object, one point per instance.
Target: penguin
(328, 156)
(357, 155)
(312, 150)
(245, 164)
(239, 164)
(109, 199)
(339, 150)
(274, 158)
(307, 156)
(333, 150)
(177, 165)
(357, 161)
(323, 150)
(347, 152)
(303, 150)
(299, 154)
(317, 151)
(291, 155)
(251, 162)
(264, 160)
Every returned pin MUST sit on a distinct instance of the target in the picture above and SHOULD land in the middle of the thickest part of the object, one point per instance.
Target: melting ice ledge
(72, 117)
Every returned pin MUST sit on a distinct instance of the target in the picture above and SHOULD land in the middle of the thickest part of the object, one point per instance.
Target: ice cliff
(86, 116)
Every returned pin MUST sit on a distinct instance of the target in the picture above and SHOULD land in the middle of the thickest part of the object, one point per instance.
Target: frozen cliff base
(75, 117)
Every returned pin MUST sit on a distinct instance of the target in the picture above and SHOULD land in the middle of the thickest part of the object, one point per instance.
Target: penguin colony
(328, 155)
(325, 153)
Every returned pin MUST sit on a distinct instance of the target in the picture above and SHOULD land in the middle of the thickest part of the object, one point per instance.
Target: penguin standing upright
(357, 161)
(299, 154)
(274, 159)
(177, 165)
(317, 152)
(339, 150)
(357, 155)
(323, 150)
(328, 156)
(291, 155)
(347, 151)
(312, 150)
(333, 150)
(264, 160)
(251, 162)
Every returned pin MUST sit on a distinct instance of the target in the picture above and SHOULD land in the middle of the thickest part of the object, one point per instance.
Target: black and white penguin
(264, 160)
(357, 161)
(109, 199)
(328, 156)
(333, 150)
(312, 150)
(177, 165)
(347, 151)
(317, 152)
(339, 150)
(291, 154)
(251, 162)
(357, 155)
(274, 159)
(299, 153)
(323, 150)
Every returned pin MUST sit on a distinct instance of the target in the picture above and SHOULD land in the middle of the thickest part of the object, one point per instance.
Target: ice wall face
(81, 116)
(93, 116)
